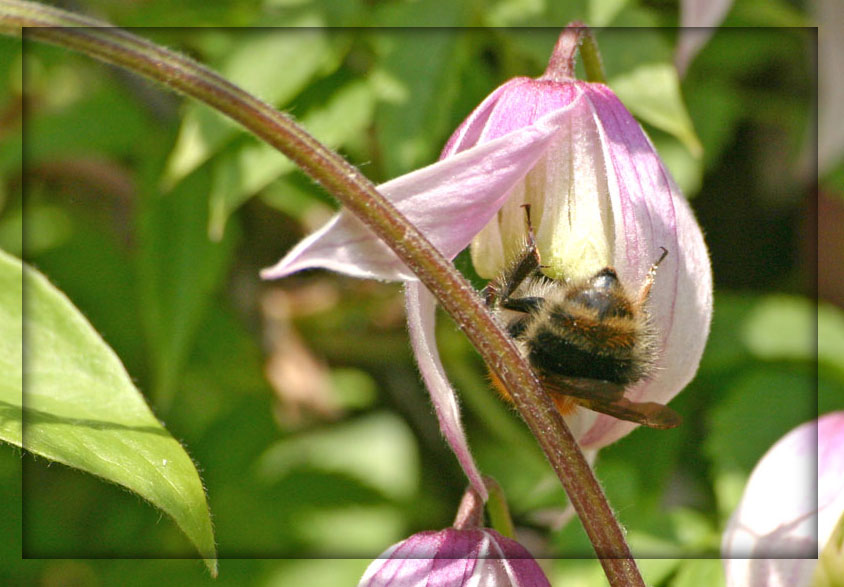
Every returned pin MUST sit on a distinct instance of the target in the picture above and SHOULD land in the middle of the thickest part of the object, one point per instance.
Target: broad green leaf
(81, 408)
(273, 64)
(651, 91)
(11, 348)
(241, 172)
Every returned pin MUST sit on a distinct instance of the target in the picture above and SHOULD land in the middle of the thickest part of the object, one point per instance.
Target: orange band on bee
(565, 405)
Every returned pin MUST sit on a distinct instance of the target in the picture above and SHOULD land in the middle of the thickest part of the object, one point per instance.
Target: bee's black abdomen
(552, 353)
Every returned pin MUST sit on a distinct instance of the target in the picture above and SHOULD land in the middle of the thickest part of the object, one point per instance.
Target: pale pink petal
(449, 201)
(516, 104)
(650, 212)
(830, 474)
(792, 501)
(455, 558)
(421, 307)
(698, 18)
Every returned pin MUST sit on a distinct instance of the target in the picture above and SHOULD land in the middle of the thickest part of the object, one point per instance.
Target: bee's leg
(649, 279)
(531, 238)
(526, 305)
(503, 286)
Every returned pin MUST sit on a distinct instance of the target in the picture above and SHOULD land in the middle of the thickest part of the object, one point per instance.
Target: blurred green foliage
(299, 400)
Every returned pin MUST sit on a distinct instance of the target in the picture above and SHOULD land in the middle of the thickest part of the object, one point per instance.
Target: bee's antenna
(531, 236)
(661, 257)
(649, 279)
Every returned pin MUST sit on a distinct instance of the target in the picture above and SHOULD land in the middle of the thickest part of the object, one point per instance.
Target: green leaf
(11, 348)
(81, 408)
(273, 64)
(651, 91)
(240, 173)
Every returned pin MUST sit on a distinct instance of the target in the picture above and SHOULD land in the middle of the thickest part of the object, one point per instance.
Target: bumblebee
(587, 340)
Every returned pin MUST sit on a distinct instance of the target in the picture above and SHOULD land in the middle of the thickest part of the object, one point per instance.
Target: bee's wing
(608, 398)
(581, 388)
(649, 414)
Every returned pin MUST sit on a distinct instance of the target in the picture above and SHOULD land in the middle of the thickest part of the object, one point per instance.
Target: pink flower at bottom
(453, 558)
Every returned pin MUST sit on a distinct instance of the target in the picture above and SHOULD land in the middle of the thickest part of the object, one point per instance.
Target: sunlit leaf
(652, 93)
(81, 408)
(11, 348)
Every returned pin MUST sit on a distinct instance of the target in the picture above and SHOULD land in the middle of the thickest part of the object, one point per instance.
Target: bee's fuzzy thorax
(581, 331)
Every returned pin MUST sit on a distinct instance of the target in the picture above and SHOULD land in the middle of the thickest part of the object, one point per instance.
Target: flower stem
(470, 513)
(592, 63)
(576, 37)
(358, 194)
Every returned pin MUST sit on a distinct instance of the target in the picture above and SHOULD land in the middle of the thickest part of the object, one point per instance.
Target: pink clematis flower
(600, 197)
(452, 558)
(785, 518)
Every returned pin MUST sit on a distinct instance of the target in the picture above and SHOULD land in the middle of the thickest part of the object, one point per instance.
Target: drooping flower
(600, 197)
(793, 502)
(454, 558)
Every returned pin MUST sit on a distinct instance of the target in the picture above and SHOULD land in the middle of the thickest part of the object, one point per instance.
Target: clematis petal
(649, 212)
(454, 558)
(784, 517)
(421, 307)
(448, 201)
(830, 474)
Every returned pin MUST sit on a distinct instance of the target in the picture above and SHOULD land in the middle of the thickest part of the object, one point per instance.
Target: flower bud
(599, 197)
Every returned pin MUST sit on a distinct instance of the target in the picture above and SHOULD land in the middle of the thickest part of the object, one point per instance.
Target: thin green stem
(591, 56)
(496, 507)
(359, 195)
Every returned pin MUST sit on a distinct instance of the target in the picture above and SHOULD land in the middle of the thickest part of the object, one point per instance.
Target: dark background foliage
(299, 400)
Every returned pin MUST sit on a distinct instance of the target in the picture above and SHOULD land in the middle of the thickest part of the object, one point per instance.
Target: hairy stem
(358, 194)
